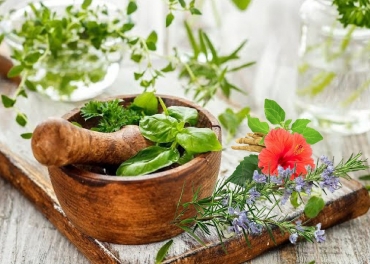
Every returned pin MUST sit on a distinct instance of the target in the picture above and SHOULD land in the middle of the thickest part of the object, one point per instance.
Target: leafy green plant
(355, 12)
(246, 203)
(231, 120)
(173, 132)
(206, 70)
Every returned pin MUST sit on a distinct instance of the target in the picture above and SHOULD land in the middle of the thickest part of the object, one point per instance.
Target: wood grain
(78, 145)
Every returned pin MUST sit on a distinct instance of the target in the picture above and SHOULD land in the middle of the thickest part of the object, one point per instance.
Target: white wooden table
(26, 236)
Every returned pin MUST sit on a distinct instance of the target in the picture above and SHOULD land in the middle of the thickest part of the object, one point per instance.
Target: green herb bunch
(250, 202)
(174, 133)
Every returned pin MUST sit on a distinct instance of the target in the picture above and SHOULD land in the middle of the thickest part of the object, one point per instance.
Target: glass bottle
(333, 87)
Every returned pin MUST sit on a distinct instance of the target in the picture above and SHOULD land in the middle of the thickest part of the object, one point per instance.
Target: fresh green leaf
(86, 4)
(152, 40)
(26, 135)
(159, 128)
(195, 11)
(127, 27)
(148, 160)
(147, 101)
(212, 49)
(185, 114)
(136, 57)
(257, 126)
(182, 3)
(198, 140)
(273, 112)
(15, 71)
(131, 8)
(163, 252)
(191, 39)
(231, 121)
(138, 75)
(169, 19)
(168, 68)
(365, 177)
(7, 101)
(312, 136)
(32, 57)
(21, 119)
(314, 206)
(241, 4)
(300, 125)
(244, 171)
(294, 200)
(30, 85)
(186, 157)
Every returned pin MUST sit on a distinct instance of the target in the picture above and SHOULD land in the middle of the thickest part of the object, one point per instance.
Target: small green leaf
(21, 119)
(136, 57)
(168, 68)
(148, 160)
(192, 40)
(26, 135)
(185, 114)
(195, 11)
(76, 124)
(2, 36)
(186, 157)
(162, 252)
(182, 3)
(131, 7)
(138, 75)
(244, 171)
(294, 200)
(147, 101)
(15, 71)
(314, 206)
(127, 27)
(300, 125)
(32, 58)
(86, 4)
(257, 126)
(169, 19)
(242, 4)
(311, 135)
(231, 121)
(273, 112)
(30, 85)
(7, 101)
(198, 140)
(152, 40)
(365, 177)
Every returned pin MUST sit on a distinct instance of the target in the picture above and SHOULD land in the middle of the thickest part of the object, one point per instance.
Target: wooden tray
(18, 166)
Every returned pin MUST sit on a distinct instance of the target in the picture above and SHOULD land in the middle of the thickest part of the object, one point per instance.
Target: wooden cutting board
(18, 166)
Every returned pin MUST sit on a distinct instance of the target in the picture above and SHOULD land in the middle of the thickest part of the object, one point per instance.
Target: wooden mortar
(140, 209)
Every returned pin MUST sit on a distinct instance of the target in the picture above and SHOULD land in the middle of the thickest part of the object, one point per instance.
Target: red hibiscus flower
(287, 150)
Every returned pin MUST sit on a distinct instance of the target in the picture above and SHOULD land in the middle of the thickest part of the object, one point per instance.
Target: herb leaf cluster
(355, 12)
(176, 139)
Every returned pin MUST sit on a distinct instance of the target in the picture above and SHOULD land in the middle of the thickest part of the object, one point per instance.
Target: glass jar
(333, 88)
(79, 71)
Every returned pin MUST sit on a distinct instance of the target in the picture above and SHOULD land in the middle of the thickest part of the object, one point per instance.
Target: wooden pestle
(57, 142)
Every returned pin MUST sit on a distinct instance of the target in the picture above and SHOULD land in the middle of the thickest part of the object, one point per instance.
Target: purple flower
(286, 196)
(326, 161)
(242, 222)
(225, 200)
(300, 183)
(330, 182)
(255, 228)
(293, 238)
(259, 178)
(299, 226)
(285, 174)
(319, 234)
(308, 187)
(276, 180)
(253, 195)
(233, 211)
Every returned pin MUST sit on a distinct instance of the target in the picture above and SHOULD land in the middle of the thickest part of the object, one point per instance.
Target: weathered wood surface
(20, 168)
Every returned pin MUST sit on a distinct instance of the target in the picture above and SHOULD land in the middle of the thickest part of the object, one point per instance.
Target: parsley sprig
(355, 12)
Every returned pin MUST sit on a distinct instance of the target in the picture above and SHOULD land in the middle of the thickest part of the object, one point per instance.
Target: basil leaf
(198, 140)
(146, 101)
(274, 113)
(186, 157)
(300, 125)
(185, 114)
(148, 160)
(244, 171)
(257, 126)
(311, 135)
(159, 128)
(163, 252)
(313, 206)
